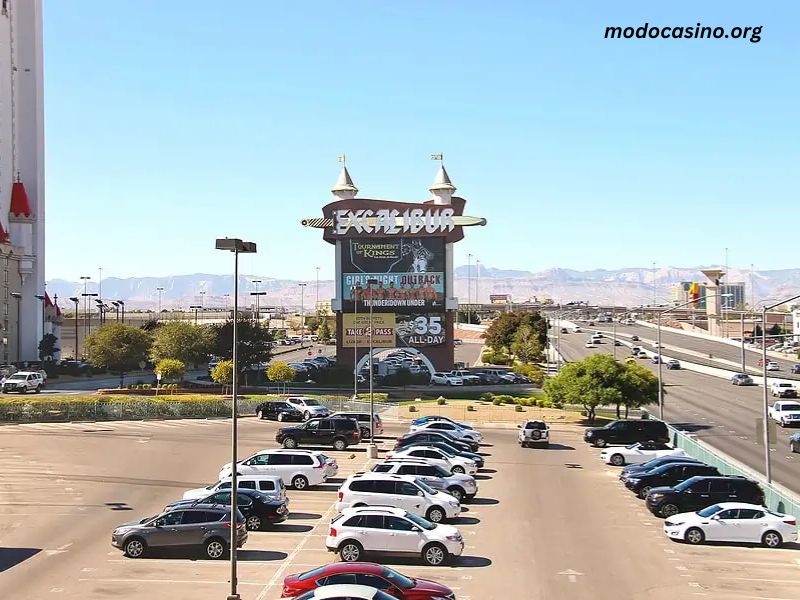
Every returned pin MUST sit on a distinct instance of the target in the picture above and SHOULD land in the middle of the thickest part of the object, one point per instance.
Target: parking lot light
(372, 451)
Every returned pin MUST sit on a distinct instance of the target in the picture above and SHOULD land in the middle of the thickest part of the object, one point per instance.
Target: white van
(400, 491)
(298, 468)
(269, 485)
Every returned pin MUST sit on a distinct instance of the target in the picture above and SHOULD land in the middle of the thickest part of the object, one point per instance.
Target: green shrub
(505, 398)
(495, 358)
(488, 396)
(497, 401)
(533, 372)
(412, 408)
(441, 400)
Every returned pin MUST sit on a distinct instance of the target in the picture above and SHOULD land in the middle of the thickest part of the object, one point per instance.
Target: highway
(719, 413)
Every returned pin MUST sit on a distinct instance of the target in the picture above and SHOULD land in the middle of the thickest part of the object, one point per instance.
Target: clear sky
(170, 123)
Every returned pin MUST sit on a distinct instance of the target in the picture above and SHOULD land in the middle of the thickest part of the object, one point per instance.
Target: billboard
(500, 298)
(408, 274)
(420, 330)
(391, 330)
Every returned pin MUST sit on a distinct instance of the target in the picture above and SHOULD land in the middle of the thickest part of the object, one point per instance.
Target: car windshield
(424, 523)
(311, 403)
(211, 486)
(425, 487)
(16, 378)
(791, 407)
(282, 405)
(711, 510)
(396, 578)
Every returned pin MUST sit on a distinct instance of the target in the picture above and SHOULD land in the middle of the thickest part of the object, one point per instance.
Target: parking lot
(546, 523)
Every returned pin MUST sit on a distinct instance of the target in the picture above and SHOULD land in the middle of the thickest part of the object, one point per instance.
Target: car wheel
(280, 417)
(644, 491)
(253, 523)
(617, 460)
(260, 414)
(457, 493)
(435, 514)
(600, 443)
(694, 536)
(350, 552)
(434, 554)
(772, 539)
(458, 469)
(215, 548)
(23, 391)
(135, 548)
(339, 444)
(290, 443)
(669, 510)
(299, 482)
(306, 416)
(38, 389)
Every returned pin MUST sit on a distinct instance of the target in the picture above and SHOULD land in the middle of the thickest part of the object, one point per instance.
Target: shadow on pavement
(260, 555)
(464, 521)
(471, 561)
(487, 470)
(290, 528)
(484, 502)
(303, 515)
(11, 557)
(482, 477)
(325, 487)
(691, 426)
(553, 446)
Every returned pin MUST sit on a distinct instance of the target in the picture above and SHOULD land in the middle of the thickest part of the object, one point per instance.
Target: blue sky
(171, 123)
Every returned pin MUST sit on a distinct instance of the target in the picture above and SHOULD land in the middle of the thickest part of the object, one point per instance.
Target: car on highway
(258, 509)
(345, 591)
(373, 575)
(699, 492)
(633, 470)
(391, 531)
(296, 467)
(785, 413)
(411, 439)
(773, 366)
(442, 378)
(270, 485)
(278, 411)
(617, 343)
(656, 358)
(564, 330)
(783, 389)
(362, 418)
(204, 526)
(673, 364)
(667, 475)
(634, 338)
(436, 456)
(23, 382)
(425, 419)
(589, 344)
(459, 485)
(639, 452)
(795, 369)
(450, 449)
(456, 431)
(399, 491)
(337, 433)
(732, 522)
(742, 379)
(627, 431)
(578, 330)
(533, 432)
(635, 350)
(308, 406)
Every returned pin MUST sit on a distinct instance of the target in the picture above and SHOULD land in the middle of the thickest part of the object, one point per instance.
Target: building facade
(22, 213)
(732, 295)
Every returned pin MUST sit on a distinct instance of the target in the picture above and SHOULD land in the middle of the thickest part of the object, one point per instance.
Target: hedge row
(112, 409)
(540, 401)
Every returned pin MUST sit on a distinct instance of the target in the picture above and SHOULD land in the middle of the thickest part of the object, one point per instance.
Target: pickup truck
(785, 413)
(467, 377)
(534, 432)
(783, 389)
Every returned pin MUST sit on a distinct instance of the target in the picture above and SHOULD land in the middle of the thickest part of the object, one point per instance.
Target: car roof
(419, 447)
(389, 476)
(359, 567)
(375, 508)
(289, 451)
(256, 476)
(726, 505)
(344, 590)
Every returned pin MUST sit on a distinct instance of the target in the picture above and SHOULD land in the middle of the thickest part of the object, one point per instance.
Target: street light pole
(469, 287)
(122, 304)
(741, 331)
(373, 450)
(196, 307)
(302, 314)
(355, 341)
(76, 300)
(159, 290)
(236, 246)
(86, 324)
(256, 294)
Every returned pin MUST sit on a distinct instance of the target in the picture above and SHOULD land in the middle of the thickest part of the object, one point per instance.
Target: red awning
(19, 200)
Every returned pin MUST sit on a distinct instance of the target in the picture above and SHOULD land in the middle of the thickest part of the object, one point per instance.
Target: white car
(400, 491)
(460, 486)
(773, 366)
(392, 531)
(637, 453)
(589, 344)
(298, 468)
(351, 591)
(435, 456)
(783, 389)
(309, 407)
(733, 522)
(269, 485)
(441, 378)
(455, 430)
(785, 413)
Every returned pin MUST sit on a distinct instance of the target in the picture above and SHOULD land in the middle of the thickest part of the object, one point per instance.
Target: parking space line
(162, 581)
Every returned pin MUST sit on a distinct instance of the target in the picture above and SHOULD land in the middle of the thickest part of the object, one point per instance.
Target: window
(373, 521)
(280, 459)
(195, 516)
(173, 518)
(225, 485)
(302, 459)
(420, 453)
(220, 498)
(404, 488)
(407, 470)
(261, 459)
(248, 485)
(357, 521)
(431, 454)
(428, 471)
(382, 468)
(312, 425)
(266, 486)
(397, 524)
(339, 578)
(371, 580)
(325, 424)
(699, 487)
(720, 486)
(384, 487)
(749, 513)
(729, 514)
(362, 486)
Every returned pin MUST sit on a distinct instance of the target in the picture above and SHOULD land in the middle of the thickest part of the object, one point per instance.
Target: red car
(364, 573)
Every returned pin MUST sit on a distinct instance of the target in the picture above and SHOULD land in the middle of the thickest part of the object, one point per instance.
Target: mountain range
(632, 286)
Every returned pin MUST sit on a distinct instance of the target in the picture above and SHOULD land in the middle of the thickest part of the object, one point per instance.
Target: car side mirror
(420, 494)
(715, 518)
(416, 529)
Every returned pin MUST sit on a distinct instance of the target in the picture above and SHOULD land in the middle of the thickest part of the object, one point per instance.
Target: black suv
(699, 492)
(632, 470)
(625, 432)
(279, 411)
(414, 439)
(339, 433)
(258, 509)
(667, 475)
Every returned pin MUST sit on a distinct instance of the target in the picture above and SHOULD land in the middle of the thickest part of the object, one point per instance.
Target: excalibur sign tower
(394, 271)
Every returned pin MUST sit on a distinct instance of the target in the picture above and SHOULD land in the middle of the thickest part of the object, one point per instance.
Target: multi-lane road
(721, 414)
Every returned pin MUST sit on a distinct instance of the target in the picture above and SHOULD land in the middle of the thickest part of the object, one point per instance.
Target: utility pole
(160, 290)
(469, 287)
(302, 313)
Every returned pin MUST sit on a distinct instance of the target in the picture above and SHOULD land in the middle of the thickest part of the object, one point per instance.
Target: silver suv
(460, 486)
(205, 526)
(534, 432)
(23, 382)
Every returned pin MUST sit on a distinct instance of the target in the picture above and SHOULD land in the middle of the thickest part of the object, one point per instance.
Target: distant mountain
(630, 286)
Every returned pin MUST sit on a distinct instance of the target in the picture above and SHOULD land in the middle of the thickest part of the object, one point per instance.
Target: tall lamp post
(257, 294)
(355, 341)
(86, 313)
(195, 307)
(122, 306)
(764, 375)
(373, 450)
(302, 314)
(18, 297)
(86, 324)
(469, 286)
(115, 304)
(159, 290)
(76, 300)
(236, 246)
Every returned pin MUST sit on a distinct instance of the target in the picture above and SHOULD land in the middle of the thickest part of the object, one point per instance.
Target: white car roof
(255, 476)
(345, 590)
(374, 475)
(377, 508)
(727, 505)
(402, 451)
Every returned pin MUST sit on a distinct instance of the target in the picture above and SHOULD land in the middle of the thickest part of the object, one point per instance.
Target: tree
(324, 331)
(223, 373)
(774, 330)
(281, 373)
(186, 342)
(118, 347)
(47, 346)
(253, 342)
(639, 387)
(170, 368)
(526, 346)
(500, 334)
(312, 324)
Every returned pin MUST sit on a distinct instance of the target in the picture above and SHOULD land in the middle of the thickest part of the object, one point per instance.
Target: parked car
(459, 485)
(441, 378)
(270, 485)
(699, 492)
(203, 526)
(416, 437)
(667, 475)
(337, 433)
(733, 522)
(428, 418)
(436, 456)
(447, 427)
(627, 431)
(399, 491)
(785, 413)
(467, 377)
(345, 591)
(742, 379)
(278, 411)
(773, 366)
(449, 449)
(298, 468)
(309, 407)
(258, 509)
(673, 364)
(370, 574)
(637, 453)
(533, 432)
(382, 530)
(362, 418)
(23, 382)
(634, 469)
